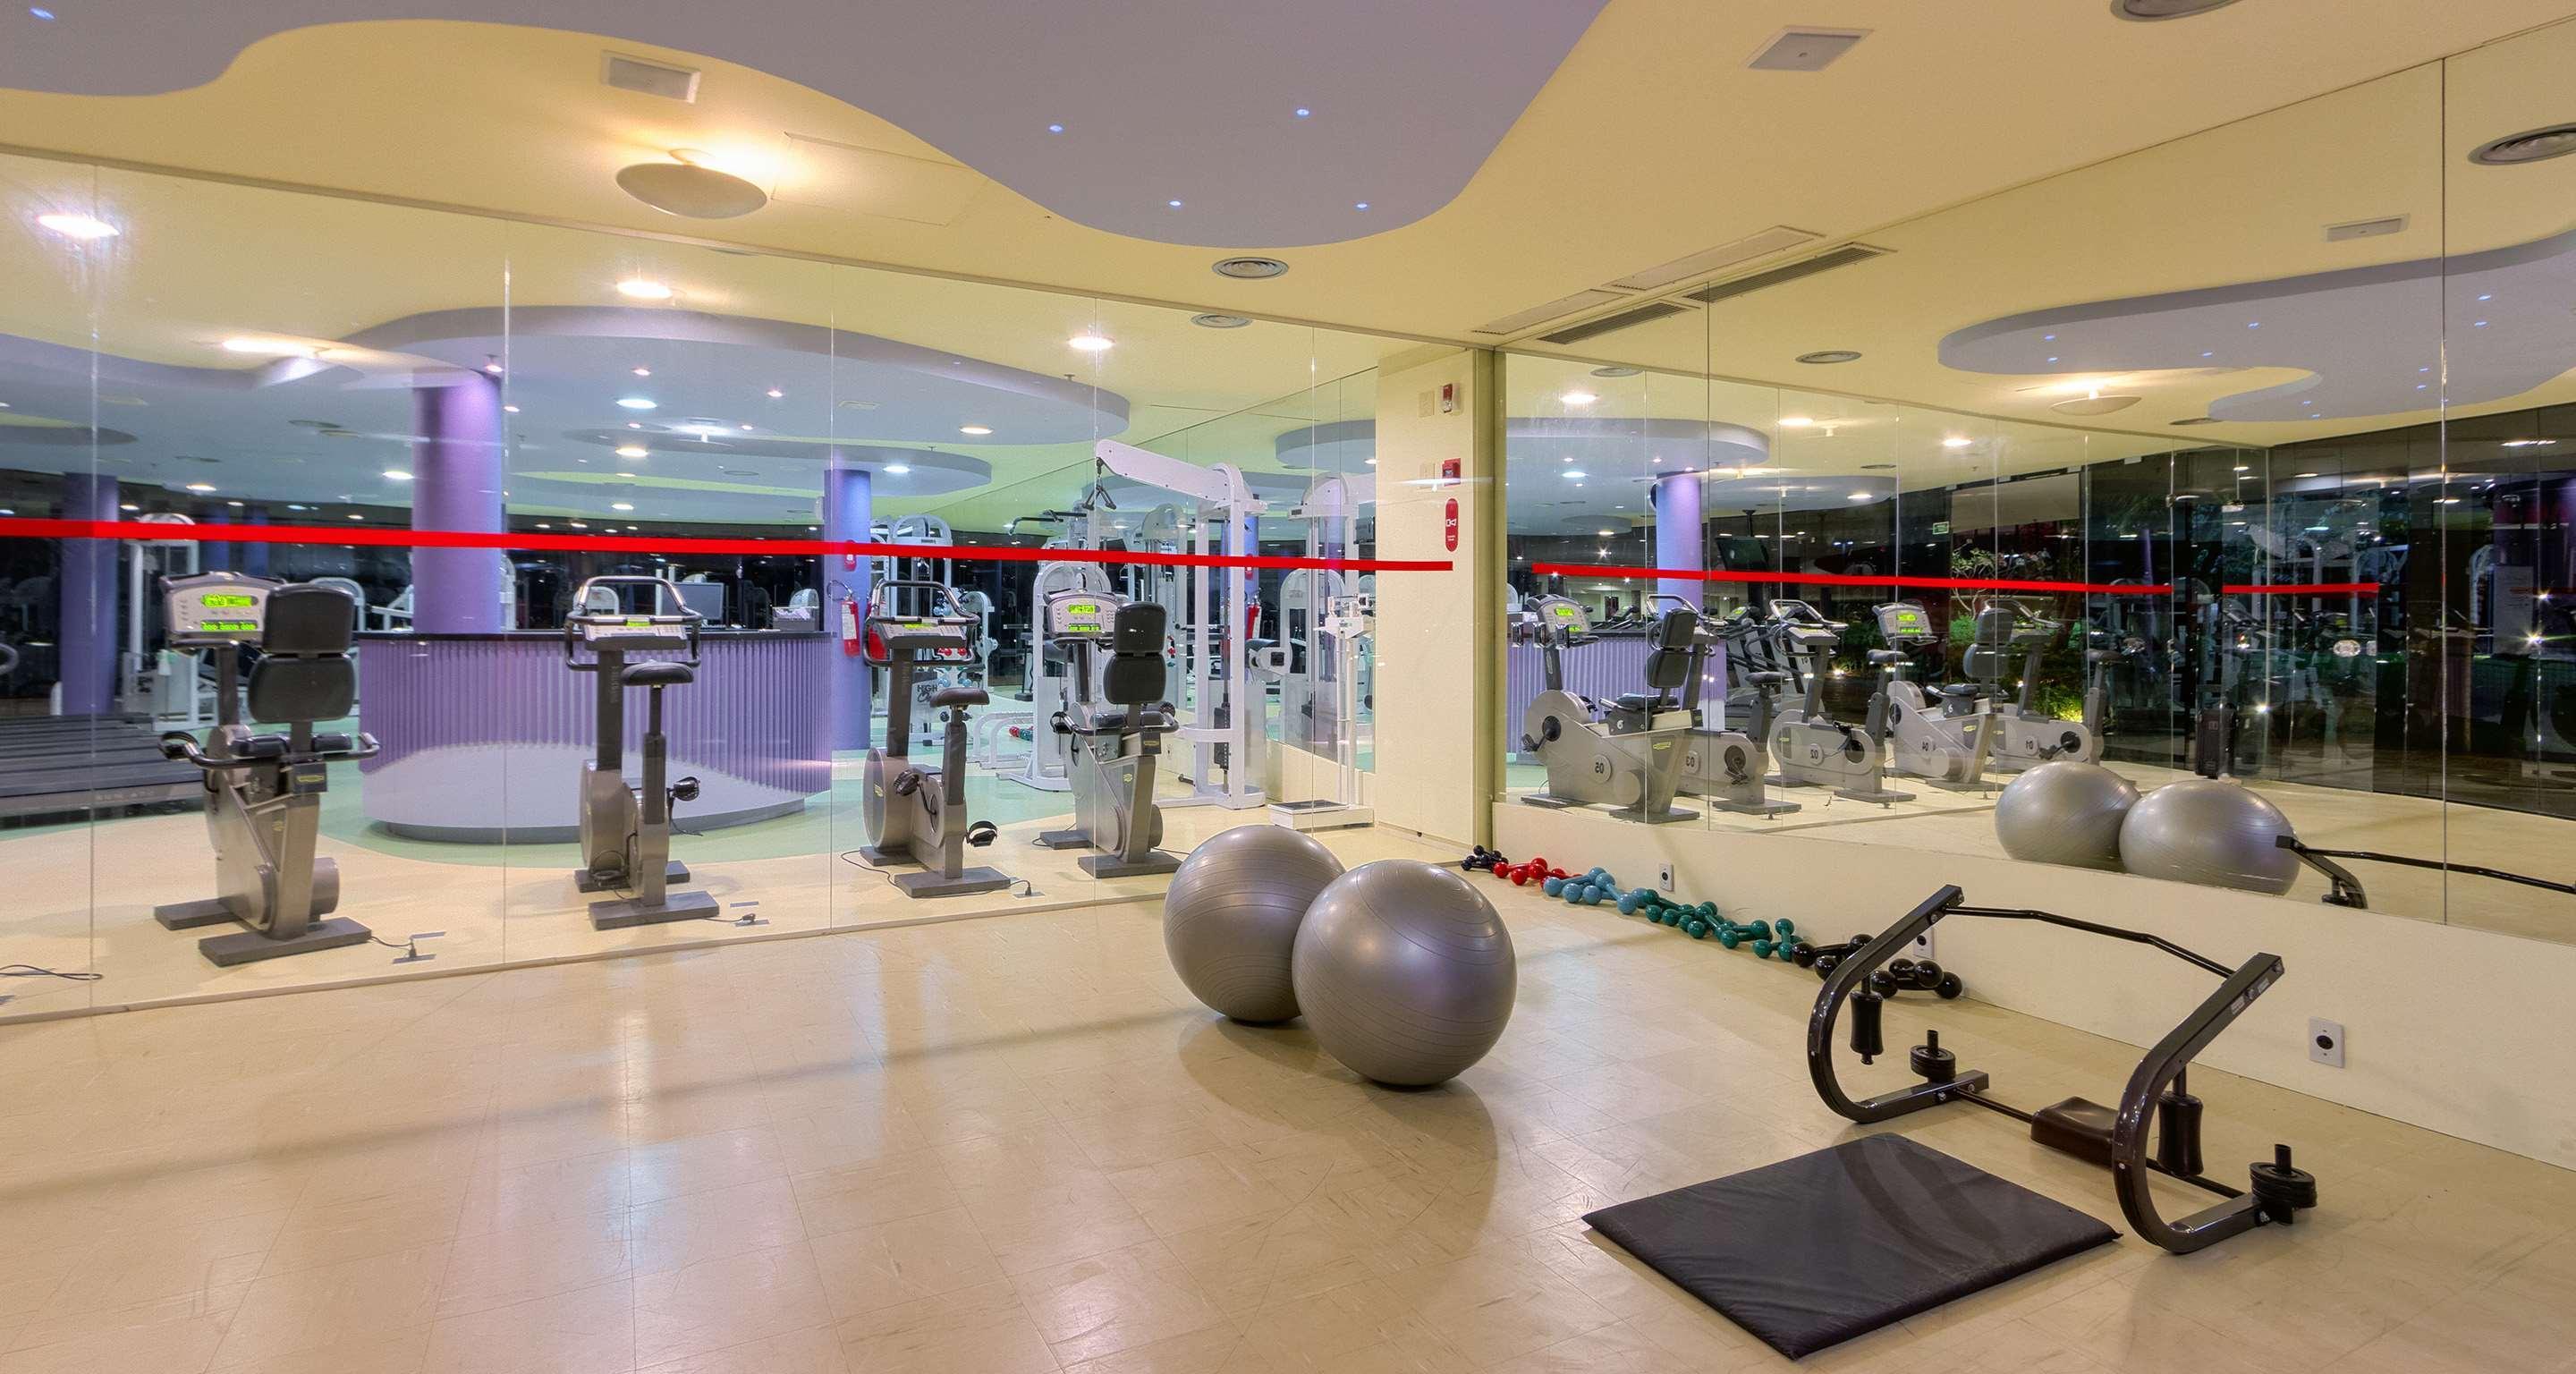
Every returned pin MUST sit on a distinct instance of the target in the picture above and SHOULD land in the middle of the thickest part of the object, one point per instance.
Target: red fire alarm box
(1449, 525)
(1448, 470)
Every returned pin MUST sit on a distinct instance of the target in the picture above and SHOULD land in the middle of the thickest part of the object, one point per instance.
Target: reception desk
(485, 735)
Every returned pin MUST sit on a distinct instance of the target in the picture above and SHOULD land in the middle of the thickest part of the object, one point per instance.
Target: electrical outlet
(2325, 1042)
(1666, 882)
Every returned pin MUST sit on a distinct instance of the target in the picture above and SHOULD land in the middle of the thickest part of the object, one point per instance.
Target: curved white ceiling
(2375, 340)
(1159, 100)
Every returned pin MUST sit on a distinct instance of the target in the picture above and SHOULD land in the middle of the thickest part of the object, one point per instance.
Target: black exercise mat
(1813, 1251)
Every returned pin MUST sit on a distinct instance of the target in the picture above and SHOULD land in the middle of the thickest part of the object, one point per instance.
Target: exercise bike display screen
(1904, 620)
(215, 607)
(1081, 618)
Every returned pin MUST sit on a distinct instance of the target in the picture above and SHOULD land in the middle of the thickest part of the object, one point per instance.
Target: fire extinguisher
(849, 625)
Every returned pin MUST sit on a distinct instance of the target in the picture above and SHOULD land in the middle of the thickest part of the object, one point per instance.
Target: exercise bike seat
(1961, 691)
(961, 695)
(657, 674)
(1637, 703)
(1766, 678)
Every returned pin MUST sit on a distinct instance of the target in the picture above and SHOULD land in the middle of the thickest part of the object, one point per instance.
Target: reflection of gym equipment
(1116, 736)
(2023, 735)
(1812, 748)
(1048, 764)
(1625, 753)
(916, 815)
(1725, 766)
(264, 792)
(167, 684)
(1939, 743)
(2347, 890)
(2112, 1136)
(626, 831)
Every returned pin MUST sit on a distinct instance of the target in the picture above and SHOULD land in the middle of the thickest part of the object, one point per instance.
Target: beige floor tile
(1185, 1194)
(503, 1197)
(697, 1227)
(501, 1268)
(283, 1314)
(901, 1261)
(874, 1192)
(1114, 1302)
(719, 1303)
(1036, 1228)
(138, 1265)
(813, 1350)
(585, 1331)
(979, 1331)
(702, 1163)
(1495, 1305)
(399, 1351)
(405, 1218)
(176, 1335)
(837, 1137)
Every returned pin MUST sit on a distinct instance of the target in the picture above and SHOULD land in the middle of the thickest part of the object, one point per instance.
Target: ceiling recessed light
(621, 505)
(1957, 441)
(1830, 355)
(2209, 355)
(2528, 443)
(744, 425)
(1360, 205)
(643, 289)
(2304, 474)
(691, 192)
(2531, 145)
(129, 506)
(82, 227)
(975, 429)
(1574, 476)
(543, 525)
(776, 394)
(643, 372)
(397, 475)
(2240, 467)
(509, 410)
(1615, 371)
(1578, 397)
(268, 348)
(1085, 343)
(2253, 324)
(1304, 113)
(2488, 296)
(627, 475)
(1249, 268)
(1055, 128)
(2094, 405)
(201, 486)
(41, 12)
(295, 507)
(1214, 321)
(897, 469)
(634, 451)
(635, 403)
(1795, 422)
(1173, 203)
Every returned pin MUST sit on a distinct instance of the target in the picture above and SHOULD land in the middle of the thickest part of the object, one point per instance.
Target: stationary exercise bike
(1812, 748)
(1117, 737)
(626, 831)
(1940, 742)
(912, 814)
(2022, 735)
(1726, 766)
(1625, 753)
(264, 791)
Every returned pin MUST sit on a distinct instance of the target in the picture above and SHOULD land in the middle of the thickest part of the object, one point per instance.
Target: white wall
(1435, 668)
(2457, 1030)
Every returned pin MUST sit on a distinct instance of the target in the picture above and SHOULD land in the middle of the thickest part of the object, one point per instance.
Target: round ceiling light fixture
(2196, 420)
(1216, 321)
(2165, 9)
(2531, 145)
(1615, 371)
(1250, 268)
(1830, 355)
(2095, 405)
(690, 191)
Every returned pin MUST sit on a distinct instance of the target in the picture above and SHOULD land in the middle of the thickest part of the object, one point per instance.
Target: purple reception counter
(485, 735)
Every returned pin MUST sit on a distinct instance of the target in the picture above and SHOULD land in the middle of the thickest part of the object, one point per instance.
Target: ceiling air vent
(1805, 50)
(1608, 323)
(649, 78)
(1777, 239)
(1844, 256)
(1556, 309)
(2366, 228)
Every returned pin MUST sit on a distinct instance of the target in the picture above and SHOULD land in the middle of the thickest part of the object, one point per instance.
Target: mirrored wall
(2239, 458)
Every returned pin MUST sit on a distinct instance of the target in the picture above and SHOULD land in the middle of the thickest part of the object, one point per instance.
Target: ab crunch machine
(2115, 1137)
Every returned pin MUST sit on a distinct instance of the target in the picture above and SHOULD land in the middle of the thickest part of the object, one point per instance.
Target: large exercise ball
(1404, 972)
(2065, 812)
(1230, 917)
(2206, 831)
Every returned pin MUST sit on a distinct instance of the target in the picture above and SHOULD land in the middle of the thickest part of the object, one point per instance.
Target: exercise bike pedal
(629, 912)
(674, 873)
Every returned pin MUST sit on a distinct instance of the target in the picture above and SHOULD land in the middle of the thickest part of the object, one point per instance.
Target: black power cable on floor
(31, 971)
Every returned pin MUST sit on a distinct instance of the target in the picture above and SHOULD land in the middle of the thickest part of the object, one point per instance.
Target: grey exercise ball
(1230, 917)
(1405, 972)
(2065, 813)
(2202, 830)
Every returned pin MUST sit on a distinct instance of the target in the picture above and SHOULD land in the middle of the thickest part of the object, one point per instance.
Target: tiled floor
(1016, 1144)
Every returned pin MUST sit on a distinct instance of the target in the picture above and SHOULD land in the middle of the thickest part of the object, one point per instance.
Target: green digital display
(1561, 612)
(227, 601)
(228, 627)
(1909, 621)
(1083, 608)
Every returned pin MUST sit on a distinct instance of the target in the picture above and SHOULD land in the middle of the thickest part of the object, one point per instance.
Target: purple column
(89, 596)
(457, 468)
(1678, 538)
(848, 509)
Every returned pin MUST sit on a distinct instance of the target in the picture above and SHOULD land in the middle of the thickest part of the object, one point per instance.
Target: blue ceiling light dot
(1055, 128)
(41, 13)
(2423, 369)
(2052, 359)
(2487, 297)
(1304, 113)
(1360, 206)
(2209, 355)
(2479, 325)
(1173, 203)
(2048, 338)
(2253, 324)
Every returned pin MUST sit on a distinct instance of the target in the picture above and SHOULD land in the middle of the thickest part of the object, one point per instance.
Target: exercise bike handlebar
(689, 620)
(179, 744)
(947, 597)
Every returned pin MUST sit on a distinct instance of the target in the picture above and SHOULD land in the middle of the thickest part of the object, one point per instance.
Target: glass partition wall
(829, 501)
(2235, 457)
